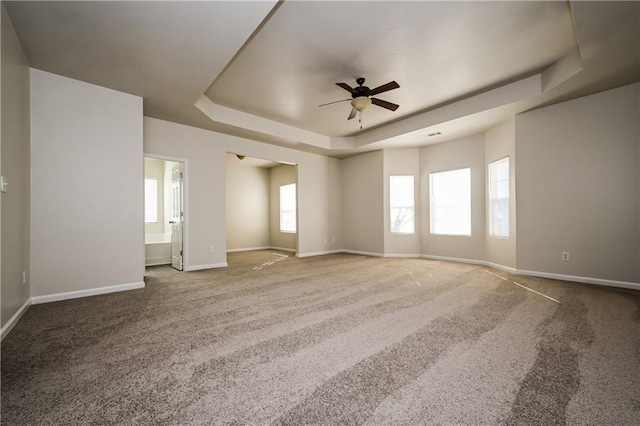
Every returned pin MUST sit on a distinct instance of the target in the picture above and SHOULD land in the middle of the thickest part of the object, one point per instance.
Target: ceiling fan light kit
(362, 97)
(360, 103)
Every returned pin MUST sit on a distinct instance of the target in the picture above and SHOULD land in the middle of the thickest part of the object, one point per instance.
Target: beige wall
(15, 164)
(86, 186)
(363, 203)
(280, 175)
(319, 206)
(401, 162)
(458, 154)
(247, 213)
(578, 188)
(500, 143)
(319, 203)
(204, 188)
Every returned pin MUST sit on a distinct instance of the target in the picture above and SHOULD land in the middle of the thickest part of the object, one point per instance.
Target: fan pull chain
(360, 119)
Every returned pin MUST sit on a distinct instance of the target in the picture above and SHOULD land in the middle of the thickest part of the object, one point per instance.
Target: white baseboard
(363, 253)
(289, 250)
(236, 250)
(472, 262)
(14, 319)
(403, 256)
(319, 253)
(85, 293)
(561, 277)
(501, 267)
(201, 267)
(455, 259)
(586, 280)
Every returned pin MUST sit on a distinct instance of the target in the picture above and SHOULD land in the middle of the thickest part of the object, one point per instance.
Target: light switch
(4, 184)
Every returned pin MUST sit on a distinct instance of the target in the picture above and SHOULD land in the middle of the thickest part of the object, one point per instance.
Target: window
(401, 201)
(451, 202)
(499, 198)
(150, 200)
(288, 208)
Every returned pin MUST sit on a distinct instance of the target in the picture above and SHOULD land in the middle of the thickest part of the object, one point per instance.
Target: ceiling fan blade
(384, 104)
(384, 88)
(334, 102)
(346, 87)
(353, 113)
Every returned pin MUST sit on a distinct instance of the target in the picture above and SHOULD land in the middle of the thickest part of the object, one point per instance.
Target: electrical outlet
(565, 256)
(210, 249)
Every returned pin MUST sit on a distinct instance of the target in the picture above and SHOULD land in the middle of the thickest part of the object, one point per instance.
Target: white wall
(458, 154)
(168, 193)
(15, 166)
(578, 189)
(500, 143)
(319, 203)
(363, 203)
(86, 221)
(278, 176)
(247, 195)
(401, 162)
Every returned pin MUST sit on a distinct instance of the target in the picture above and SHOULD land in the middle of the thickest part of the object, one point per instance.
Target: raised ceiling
(436, 51)
(258, 69)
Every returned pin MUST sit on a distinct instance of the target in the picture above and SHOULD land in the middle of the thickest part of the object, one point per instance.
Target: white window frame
(499, 199)
(402, 205)
(450, 211)
(288, 207)
(151, 204)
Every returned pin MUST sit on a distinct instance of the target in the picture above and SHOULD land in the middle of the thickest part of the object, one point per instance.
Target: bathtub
(157, 249)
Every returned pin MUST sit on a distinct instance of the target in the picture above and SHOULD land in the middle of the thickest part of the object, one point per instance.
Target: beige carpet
(336, 339)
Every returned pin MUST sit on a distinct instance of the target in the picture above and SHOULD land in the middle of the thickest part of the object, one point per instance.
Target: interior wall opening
(163, 212)
(261, 203)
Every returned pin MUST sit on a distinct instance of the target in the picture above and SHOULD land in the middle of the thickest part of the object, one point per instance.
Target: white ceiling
(258, 69)
(166, 52)
(436, 51)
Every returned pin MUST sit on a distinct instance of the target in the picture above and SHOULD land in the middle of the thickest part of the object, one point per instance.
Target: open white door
(177, 216)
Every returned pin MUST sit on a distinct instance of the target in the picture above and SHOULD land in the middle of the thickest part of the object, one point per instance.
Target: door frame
(185, 204)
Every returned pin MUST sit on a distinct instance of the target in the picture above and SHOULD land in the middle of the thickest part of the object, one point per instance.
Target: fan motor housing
(360, 90)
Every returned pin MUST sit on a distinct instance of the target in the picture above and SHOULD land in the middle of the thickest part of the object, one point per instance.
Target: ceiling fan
(361, 97)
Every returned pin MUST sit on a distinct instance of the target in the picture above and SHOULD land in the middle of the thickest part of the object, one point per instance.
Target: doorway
(258, 215)
(164, 218)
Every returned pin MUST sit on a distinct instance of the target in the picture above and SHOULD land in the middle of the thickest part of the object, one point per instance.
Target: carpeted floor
(337, 339)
